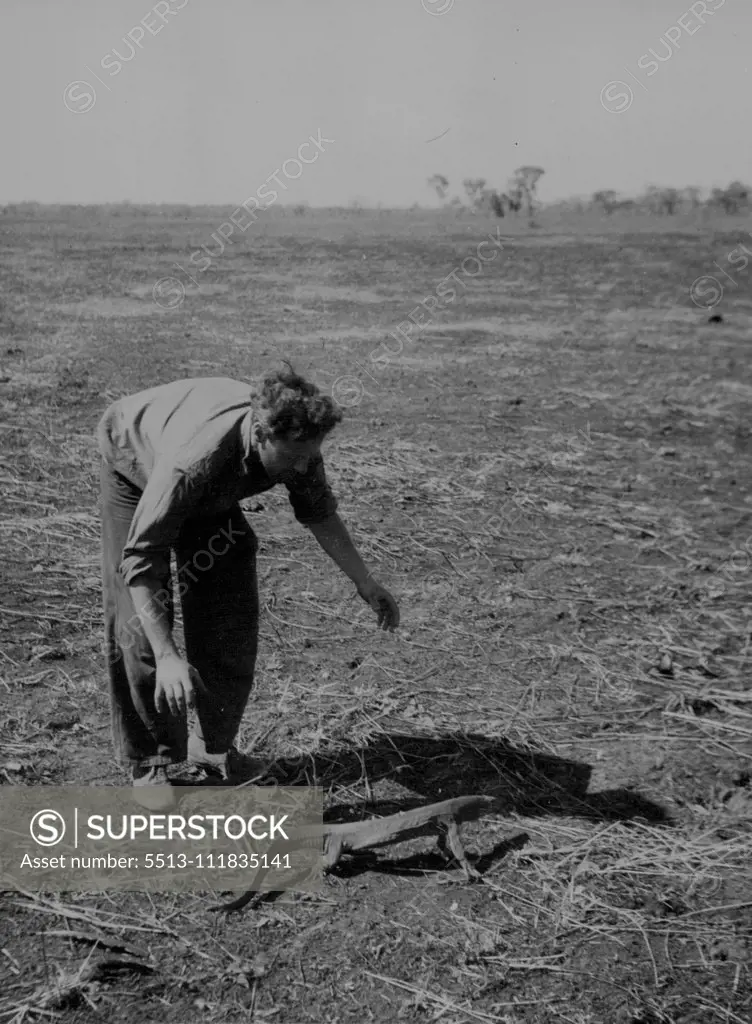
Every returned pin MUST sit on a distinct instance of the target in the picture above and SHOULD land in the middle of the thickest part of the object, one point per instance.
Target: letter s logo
(614, 99)
(47, 827)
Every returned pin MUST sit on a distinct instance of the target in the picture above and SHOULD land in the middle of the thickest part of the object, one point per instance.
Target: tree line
(668, 201)
(520, 196)
(520, 193)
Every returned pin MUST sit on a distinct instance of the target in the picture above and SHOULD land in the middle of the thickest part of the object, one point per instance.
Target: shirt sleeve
(160, 514)
(310, 495)
(178, 485)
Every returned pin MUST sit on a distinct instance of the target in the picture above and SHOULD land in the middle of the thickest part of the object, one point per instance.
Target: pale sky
(226, 90)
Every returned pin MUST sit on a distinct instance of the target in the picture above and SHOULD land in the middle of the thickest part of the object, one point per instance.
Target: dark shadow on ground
(440, 768)
(436, 768)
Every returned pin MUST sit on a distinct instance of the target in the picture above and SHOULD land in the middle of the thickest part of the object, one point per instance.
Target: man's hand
(335, 540)
(177, 682)
(382, 603)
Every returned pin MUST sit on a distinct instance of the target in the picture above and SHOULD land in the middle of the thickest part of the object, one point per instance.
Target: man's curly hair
(287, 405)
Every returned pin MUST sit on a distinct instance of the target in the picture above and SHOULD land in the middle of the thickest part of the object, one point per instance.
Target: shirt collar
(251, 460)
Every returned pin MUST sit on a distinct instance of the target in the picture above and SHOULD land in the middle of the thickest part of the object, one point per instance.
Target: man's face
(282, 457)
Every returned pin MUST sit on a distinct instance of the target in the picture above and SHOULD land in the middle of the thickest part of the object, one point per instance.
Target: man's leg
(142, 737)
(219, 592)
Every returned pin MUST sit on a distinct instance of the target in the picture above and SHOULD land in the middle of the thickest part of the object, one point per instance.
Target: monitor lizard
(339, 838)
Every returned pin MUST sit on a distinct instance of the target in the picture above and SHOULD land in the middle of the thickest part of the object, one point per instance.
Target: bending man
(176, 461)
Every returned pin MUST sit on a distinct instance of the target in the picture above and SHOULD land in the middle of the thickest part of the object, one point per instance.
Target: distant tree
(651, 199)
(440, 185)
(670, 201)
(609, 202)
(483, 199)
(606, 198)
(513, 199)
(475, 190)
(499, 203)
(524, 186)
(660, 200)
(691, 196)
(739, 194)
(731, 199)
(718, 198)
(496, 202)
(505, 203)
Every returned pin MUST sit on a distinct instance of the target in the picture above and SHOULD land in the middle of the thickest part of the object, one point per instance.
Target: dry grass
(552, 478)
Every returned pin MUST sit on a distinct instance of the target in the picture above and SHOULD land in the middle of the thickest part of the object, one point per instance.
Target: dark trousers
(218, 590)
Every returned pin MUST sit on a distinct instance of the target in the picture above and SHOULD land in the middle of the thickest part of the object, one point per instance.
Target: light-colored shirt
(187, 447)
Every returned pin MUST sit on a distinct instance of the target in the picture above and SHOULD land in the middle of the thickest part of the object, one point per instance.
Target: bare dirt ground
(552, 475)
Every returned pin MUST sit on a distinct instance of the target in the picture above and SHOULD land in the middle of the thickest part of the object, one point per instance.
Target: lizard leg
(449, 836)
(238, 904)
(254, 895)
(332, 851)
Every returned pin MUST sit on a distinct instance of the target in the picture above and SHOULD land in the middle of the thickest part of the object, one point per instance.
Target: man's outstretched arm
(332, 535)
